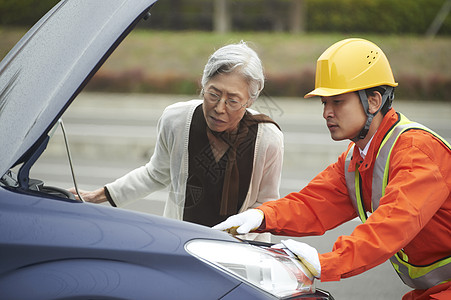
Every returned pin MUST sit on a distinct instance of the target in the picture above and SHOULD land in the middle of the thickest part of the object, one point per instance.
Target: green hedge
(23, 12)
(343, 16)
(375, 16)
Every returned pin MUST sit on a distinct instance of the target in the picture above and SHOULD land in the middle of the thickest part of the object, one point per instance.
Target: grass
(162, 56)
(187, 52)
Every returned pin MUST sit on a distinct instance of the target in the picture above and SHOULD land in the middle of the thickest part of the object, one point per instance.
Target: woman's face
(229, 87)
(344, 115)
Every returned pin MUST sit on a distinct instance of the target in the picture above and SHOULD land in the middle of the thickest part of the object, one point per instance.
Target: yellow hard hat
(351, 65)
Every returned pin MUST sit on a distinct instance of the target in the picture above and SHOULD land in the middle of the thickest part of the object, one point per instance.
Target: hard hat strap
(388, 94)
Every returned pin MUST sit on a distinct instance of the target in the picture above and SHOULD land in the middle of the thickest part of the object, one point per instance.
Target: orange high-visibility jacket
(414, 214)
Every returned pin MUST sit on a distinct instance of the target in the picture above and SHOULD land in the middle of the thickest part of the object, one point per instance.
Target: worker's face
(228, 87)
(344, 115)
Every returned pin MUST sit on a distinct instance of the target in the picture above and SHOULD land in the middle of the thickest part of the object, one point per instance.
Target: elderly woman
(217, 156)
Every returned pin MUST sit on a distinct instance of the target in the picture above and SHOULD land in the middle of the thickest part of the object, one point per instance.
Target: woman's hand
(97, 196)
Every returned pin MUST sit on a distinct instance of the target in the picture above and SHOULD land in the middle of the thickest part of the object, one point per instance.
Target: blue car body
(54, 249)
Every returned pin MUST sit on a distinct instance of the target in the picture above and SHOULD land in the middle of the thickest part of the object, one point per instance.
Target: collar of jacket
(364, 164)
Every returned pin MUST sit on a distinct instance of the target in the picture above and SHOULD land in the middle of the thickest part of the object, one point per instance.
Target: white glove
(242, 223)
(306, 254)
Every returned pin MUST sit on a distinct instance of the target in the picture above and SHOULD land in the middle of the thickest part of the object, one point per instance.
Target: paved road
(112, 134)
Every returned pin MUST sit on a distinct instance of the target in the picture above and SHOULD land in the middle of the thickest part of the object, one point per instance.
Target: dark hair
(381, 89)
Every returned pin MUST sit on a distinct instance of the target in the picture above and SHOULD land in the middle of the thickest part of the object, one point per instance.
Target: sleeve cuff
(108, 197)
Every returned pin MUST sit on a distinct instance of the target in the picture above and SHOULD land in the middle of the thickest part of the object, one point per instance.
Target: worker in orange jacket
(395, 169)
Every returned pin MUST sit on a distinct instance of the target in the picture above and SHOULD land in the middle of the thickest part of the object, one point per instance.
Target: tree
(221, 17)
(298, 16)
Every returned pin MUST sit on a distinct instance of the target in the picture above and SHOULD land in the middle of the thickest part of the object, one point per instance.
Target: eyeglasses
(231, 104)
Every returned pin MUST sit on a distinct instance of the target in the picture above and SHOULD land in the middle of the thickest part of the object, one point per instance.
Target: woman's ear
(374, 102)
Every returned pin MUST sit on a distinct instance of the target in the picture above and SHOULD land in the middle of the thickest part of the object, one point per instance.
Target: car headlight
(268, 269)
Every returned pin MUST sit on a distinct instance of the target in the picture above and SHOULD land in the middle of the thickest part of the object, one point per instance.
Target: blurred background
(111, 124)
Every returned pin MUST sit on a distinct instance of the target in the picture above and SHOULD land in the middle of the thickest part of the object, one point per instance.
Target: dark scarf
(229, 200)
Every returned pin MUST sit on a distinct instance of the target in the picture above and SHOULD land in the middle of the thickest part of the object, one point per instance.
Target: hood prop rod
(69, 157)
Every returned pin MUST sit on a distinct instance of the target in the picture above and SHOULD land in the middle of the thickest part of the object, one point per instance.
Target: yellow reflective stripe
(387, 163)
(414, 271)
(396, 267)
(440, 138)
(402, 121)
(385, 178)
(362, 214)
(445, 281)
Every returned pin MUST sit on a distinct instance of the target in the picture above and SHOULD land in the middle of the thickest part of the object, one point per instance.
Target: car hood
(50, 65)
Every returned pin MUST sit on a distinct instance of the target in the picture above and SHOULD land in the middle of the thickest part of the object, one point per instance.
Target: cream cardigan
(168, 165)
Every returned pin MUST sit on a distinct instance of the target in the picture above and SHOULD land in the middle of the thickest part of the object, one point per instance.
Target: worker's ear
(374, 102)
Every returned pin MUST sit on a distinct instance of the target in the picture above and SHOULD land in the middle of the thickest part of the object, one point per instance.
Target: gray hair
(239, 57)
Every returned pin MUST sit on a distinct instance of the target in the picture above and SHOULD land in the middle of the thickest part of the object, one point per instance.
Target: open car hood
(50, 65)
